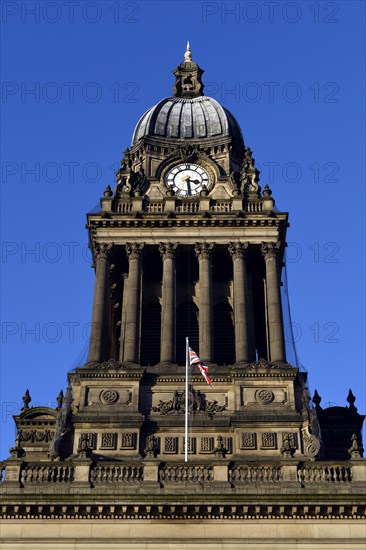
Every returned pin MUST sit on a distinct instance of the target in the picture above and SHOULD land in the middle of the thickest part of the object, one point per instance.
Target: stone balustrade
(184, 473)
(255, 474)
(59, 473)
(238, 474)
(190, 207)
(109, 473)
(324, 473)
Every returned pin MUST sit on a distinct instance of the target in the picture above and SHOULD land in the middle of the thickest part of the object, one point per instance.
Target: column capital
(238, 250)
(167, 250)
(134, 250)
(203, 250)
(270, 250)
(102, 251)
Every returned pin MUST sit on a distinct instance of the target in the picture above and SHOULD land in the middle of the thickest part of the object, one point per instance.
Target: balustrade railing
(116, 474)
(222, 206)
(47, 474)
(253, 207)
(188, 207)
(154, 207)
(316, 473)
(255, 474)
(238, 473)
(123, 207)
(182, 473)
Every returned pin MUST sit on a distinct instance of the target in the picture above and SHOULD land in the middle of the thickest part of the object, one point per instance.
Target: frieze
(36, 436)
(197, 403)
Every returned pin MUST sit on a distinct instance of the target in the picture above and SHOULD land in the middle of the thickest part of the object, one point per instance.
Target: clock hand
(189, 188)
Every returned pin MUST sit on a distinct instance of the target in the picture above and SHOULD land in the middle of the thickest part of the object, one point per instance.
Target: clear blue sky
(292, 73)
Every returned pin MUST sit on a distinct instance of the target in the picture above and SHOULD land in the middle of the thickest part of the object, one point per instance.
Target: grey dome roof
(187, 118)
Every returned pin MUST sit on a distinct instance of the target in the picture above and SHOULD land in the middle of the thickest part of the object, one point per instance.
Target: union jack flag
(195, 360)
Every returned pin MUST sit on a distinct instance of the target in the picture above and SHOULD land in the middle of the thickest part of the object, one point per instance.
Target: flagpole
(186, 407)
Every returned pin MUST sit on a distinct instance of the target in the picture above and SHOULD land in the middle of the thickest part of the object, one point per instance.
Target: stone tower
(186, 245)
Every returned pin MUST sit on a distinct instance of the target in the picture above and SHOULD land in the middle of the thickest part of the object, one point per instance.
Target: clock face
(187, 180)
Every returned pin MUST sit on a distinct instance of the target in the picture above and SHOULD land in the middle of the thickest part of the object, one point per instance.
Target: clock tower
(187, 244)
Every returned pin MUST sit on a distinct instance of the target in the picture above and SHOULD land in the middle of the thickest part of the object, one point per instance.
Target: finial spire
(188, 74)
(188, 54)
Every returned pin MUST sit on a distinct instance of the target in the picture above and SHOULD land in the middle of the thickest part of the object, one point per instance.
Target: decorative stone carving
(220, 450)
(270, 250)
(17, 451)
(84, 449)
(316, 400)
(351, 400)
(60, 400)
(188, 152)
(110, 364)
(197, 403)
(26, 400)
(248, 440)
(238, 250)
(269, 440)
(36, 436)
(203, 250)
(171, 445)
(207, 444)
(250, 176)
(356, 450)
(108, 440)
(109, 397)
(167, 250)
(128, 440)
(61, 444)
(313, 447)
(90, 439)
(287, 449)
(134, 250)
(261, 364)
(152, 446)
(102, 250)
(264, 396)
(191, 449)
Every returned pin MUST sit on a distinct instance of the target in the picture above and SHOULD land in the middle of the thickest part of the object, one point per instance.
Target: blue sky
(77, 77)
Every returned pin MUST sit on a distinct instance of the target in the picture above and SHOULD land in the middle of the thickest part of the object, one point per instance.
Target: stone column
(100, 316)
(274, 310)
(238, 251)
(133, 302)
(167, 347)
(203, 252)
(123, 318)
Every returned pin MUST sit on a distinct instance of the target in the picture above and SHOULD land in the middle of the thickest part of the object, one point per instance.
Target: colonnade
(130, 325)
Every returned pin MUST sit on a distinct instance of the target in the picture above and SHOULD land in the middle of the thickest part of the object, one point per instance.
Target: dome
(187, 118)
